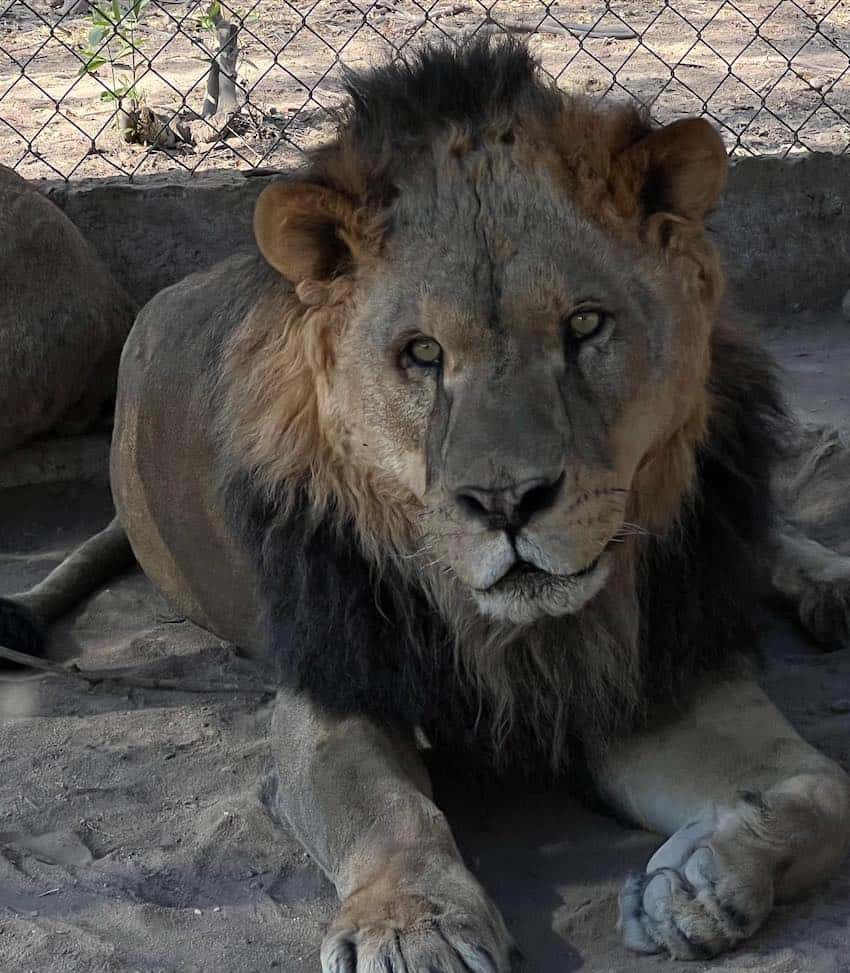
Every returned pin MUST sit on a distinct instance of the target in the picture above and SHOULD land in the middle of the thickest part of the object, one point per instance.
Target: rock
(845, 306)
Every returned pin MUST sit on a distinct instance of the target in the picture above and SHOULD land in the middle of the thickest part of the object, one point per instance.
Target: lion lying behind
(476, 451)
(63, 319)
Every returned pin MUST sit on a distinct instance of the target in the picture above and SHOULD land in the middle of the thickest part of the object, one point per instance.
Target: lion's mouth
(527, 592)
(524, 575)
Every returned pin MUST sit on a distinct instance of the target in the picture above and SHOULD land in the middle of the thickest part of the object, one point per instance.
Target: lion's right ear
(306, 231)
(679, 169)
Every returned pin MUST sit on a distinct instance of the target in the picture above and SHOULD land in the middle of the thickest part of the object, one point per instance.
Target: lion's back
(63, 318)
(165, 456)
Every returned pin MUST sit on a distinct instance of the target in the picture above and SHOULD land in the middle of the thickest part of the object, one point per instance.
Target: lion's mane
(351, 620)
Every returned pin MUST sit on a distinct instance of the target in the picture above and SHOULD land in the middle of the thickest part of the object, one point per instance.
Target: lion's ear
(679, 169)
(305, 231)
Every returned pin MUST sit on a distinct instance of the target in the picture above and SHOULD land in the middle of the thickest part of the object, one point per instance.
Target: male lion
(479, 446)
(63, 319)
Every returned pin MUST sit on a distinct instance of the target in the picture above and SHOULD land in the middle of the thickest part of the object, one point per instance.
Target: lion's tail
(25, 617)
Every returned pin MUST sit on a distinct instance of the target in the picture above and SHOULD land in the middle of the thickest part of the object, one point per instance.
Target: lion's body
(63, 319)
(164, 471)
(172, 487)
(474, 447)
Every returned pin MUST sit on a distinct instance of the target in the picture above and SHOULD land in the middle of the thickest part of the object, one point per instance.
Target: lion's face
(512, 368)
(522, 373)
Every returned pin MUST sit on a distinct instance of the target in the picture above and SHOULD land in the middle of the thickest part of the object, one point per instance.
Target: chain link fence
(97, 87)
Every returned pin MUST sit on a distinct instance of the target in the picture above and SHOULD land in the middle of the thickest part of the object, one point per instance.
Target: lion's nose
(509, 507)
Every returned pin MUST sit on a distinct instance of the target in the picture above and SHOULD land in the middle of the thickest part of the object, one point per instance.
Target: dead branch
(127, 677)
(143, 126)
(221, 98)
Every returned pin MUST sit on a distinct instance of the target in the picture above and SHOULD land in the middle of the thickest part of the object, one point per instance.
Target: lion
(63, 320)
(474, 449)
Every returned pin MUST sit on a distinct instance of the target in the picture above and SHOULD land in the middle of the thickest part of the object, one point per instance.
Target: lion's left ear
(679, 169)
(306, 231)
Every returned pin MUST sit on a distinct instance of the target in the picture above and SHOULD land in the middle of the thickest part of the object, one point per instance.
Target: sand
(133, 832)
(782, 91)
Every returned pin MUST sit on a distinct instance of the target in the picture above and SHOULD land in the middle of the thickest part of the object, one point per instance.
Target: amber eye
(425, 352)
(586, 323)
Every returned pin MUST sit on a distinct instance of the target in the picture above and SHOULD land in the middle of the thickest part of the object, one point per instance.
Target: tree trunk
(221, 98)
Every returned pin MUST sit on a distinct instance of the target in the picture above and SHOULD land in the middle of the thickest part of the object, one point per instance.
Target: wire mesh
(93, 87)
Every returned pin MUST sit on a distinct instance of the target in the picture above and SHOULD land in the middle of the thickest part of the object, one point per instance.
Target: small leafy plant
(114, 43)
(210, 17)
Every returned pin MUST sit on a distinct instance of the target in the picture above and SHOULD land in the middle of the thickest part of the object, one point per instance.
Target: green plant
(209, 19)
(113, 42)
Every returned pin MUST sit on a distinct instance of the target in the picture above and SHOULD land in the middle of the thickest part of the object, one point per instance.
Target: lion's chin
(525, 595)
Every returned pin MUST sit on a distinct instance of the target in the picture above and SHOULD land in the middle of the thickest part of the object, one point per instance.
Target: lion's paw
(388, 930)
(702, 893)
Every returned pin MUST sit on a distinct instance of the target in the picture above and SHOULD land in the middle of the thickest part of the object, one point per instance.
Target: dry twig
(127, 677)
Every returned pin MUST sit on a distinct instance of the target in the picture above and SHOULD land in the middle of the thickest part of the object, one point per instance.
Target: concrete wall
(784, 227)
(155, 230)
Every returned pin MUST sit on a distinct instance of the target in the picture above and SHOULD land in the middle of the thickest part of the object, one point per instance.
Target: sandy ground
(133, 832)
(785, 89)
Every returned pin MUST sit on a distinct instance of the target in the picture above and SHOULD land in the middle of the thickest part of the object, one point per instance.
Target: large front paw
(706, 889)
(403, 923)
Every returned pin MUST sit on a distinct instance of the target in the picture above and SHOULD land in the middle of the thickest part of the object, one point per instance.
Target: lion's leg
(755, 815)
(358, 798)
(815, 580)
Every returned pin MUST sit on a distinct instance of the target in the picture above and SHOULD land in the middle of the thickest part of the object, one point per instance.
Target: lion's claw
(436, 947)
(694, 902)
(408, 920)
(654, 918)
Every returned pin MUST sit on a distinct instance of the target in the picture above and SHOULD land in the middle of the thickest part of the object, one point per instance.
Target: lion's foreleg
(358, 798)
(815, 580)
(755, 814)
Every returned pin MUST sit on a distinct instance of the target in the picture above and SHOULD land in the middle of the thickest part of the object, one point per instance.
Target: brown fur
(63, 319)
(297, 439)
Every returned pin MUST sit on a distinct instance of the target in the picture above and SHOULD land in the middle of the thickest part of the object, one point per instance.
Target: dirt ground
(133, 830)
(52, 122)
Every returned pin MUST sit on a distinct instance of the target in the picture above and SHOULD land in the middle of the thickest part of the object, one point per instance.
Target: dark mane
(406, 101)
(699, 588)
(483, 88)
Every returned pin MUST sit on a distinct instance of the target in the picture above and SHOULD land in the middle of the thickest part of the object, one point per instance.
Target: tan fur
(295, 439)
(291, 435)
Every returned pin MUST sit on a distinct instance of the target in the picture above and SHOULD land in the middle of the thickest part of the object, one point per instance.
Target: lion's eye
(586, 323)
(425, 352)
